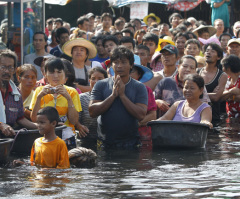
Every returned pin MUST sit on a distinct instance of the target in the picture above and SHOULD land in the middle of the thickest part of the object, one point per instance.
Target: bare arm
(37, 105)
(222, 82)
(27, 124)
(84, 88)
(151, 115)
(206, 117)
(154, 81)
(169, 115)
(136, 110)
(97, 107)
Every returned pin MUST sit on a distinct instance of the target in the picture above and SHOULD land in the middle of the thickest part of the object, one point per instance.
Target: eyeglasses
(9, 68)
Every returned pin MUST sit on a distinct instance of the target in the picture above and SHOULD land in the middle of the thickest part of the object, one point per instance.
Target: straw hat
(210, 29)
(67, 47)
(167, 39)
(151, 15)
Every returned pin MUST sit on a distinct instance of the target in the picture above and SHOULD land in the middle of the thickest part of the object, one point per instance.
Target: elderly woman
(192, 109)
(65, 99)
(81, 50)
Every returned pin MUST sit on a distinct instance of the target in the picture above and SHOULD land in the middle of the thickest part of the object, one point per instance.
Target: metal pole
(22, 29)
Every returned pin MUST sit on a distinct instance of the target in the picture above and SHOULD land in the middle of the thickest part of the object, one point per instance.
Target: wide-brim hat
(147, 73)
(158, 20)
(38, 61)
(210, 29)
(67, 47)
(167, 39)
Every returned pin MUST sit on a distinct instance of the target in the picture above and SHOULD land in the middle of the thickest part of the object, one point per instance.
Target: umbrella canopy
(58, 2)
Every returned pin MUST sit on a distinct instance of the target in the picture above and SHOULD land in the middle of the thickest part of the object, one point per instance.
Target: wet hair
(50, 112)
(143, 48)
(196, 78)
(82, 157)
(10, 54)
(98, 69)
(127, 40)
(150, 37)
(193, 41)
(59, 20)
(217, 48)
(127, 31)
(70, 73)
(122, 52)
(188, 57)
(174, 15)
(232, 62)
(110, 38)
(225, 34)
(25, 67)
(53, 63)
(41, 33)
(180, 34)
(80, 20)
(106, 14)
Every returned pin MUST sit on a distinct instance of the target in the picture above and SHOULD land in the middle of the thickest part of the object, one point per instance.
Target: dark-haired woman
(192, 109)
(231, 94)
(65, 99)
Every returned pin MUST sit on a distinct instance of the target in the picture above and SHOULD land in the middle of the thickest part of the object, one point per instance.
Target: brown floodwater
(212, 172)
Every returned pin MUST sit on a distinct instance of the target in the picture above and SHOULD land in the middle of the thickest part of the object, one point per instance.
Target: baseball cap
(234, 40)
(170, 48)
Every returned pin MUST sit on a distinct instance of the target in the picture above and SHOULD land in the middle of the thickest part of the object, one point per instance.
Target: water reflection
(212, 172)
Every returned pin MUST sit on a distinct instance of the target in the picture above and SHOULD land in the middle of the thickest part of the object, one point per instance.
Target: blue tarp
(120, 3)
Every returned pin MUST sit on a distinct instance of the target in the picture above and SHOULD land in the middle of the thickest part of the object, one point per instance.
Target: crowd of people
(105, 81)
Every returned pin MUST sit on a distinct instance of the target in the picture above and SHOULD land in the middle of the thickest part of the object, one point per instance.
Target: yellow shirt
(52, 154)
(61, 103)
(28, 100)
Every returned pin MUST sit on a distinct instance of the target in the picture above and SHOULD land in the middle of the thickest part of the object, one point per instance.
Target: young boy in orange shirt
(49, 151)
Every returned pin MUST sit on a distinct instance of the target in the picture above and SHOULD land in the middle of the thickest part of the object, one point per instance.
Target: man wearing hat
(233, 47)
(91, 18)
(120, 102)
(169, 57)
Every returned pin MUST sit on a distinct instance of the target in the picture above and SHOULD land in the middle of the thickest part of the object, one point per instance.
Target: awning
(182, 5)
(58, 2)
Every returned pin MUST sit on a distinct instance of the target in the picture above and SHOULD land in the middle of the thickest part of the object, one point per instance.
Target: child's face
(56, 78)
(44, 125)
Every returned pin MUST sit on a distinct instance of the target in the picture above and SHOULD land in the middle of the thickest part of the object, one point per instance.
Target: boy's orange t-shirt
(52, 154)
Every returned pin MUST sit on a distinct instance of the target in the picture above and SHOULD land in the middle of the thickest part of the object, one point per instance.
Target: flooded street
(212, 172)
